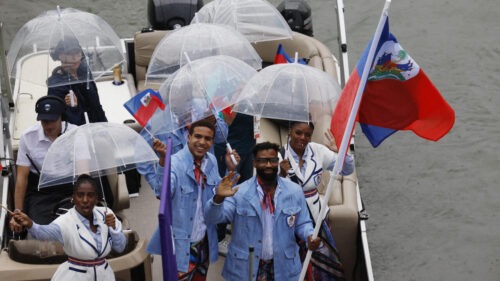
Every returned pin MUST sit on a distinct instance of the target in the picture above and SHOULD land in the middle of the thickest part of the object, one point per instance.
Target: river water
(432, 205)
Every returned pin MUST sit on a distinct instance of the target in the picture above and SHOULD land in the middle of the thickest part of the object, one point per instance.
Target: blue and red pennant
(143, 105)
(283, 57)
(397, 96)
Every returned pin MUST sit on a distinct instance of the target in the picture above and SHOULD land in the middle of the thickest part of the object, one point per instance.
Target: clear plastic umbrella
(290, 91)
(200, 89)
(257, 20)
(198, 41)
(97, 149)
(59, 31)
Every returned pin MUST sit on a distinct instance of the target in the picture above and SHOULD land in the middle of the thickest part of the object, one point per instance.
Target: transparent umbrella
(290, 91)
(257, 20)
(198, 41)
(200, 89)
(95, 148)
(82, 37)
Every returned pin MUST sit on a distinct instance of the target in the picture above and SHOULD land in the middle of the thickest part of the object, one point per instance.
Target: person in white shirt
(304, 163)
(33, 146)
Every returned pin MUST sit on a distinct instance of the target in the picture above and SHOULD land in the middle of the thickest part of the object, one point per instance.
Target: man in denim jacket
(266, 212)
(194, 178)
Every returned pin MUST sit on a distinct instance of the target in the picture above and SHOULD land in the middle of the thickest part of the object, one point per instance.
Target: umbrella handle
(231, 154)
(72, 97)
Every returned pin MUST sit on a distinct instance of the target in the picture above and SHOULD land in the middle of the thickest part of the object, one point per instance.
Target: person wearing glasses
(267, 212)
(72, 81)
(304, 163)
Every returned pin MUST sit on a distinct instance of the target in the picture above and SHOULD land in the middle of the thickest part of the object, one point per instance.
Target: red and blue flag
(143, 105)
(397, 96)
(283, 57)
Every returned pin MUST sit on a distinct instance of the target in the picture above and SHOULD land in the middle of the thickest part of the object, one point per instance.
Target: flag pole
(335, 175)
(168, 261)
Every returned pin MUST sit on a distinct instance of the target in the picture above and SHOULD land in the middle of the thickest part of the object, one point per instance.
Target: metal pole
(250, 262)
(337, 169)
(344, 63)
(6, 90)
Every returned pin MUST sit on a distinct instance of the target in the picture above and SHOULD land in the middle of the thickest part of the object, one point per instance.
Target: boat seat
(51, 252)
(311, 49)
(144, 46)
(118, 185)
(317, 54)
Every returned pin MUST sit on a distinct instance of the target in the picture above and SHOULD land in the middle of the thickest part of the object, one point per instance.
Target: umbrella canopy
(77, 35)
(198, 41)
(257, 20)
(289, 91)
(97, 149)
(199, 89)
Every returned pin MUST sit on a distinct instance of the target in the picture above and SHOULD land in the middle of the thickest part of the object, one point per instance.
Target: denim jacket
(184, 193)
(244, 211)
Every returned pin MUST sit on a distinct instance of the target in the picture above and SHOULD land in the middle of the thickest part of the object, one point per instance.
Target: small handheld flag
(143, 105)
(283, 57)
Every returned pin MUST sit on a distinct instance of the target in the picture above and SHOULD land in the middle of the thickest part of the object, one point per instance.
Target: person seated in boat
(267, 212)
(87, 232)
(73, 82)
(304, 162)
(179, 138)
(33, 146)
(194, 176)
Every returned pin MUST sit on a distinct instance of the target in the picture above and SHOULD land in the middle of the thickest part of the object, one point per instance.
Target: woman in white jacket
(88, 234)
(304, 162)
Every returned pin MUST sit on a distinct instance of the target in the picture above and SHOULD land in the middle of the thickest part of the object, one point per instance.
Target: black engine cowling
(297, 14)
(170, 14)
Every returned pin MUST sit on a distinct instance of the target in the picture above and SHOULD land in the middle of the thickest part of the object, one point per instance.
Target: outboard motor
(297, 14)
(171, 14)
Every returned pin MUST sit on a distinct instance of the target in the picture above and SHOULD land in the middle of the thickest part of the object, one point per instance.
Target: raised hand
(331, 142)
(284, 167)
(14, 226)
(67, 99)
(229, 163)
(110, 220)
(20, 220)
(160, 148)
(225, 188)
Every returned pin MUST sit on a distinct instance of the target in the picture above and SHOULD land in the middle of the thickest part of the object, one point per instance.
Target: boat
(35, 260)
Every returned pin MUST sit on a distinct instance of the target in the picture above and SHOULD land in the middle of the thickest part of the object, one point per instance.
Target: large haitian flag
(397, 96)
(143, 105)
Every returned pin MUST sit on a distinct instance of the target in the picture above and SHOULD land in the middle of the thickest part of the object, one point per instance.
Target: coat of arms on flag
(396, 95)
(143, 105)
(146, 99)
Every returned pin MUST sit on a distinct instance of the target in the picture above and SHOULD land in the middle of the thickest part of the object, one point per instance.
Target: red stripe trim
(86, 263)
(310, 193)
